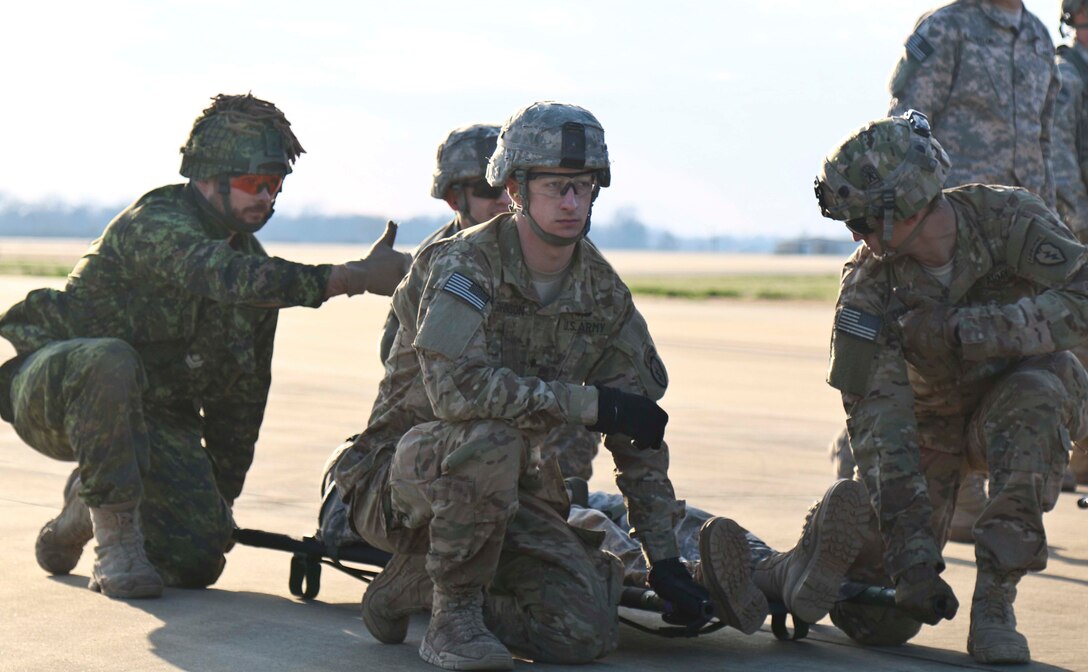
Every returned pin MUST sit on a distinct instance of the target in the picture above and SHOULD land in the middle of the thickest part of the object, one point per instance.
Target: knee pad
(874, 625)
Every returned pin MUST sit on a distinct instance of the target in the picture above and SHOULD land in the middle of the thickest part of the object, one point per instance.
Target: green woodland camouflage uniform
(922, 412)
(485, 384)
(151, 369)
(988, 88)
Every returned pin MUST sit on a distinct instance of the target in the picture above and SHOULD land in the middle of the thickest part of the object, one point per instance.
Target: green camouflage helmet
(238, 135)
(549, 135)
(463, 156)
(888, 170)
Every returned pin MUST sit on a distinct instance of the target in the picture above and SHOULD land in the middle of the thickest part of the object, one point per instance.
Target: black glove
(687, 603)
(634, 415)
(924, 595)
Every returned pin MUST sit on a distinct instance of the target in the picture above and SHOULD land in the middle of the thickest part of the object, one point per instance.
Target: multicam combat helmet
(463, 156)
(548, 134)
(236, 135)
(887, 171)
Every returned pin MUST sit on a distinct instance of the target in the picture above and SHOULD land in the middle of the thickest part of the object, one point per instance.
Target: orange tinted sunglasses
(253, 183)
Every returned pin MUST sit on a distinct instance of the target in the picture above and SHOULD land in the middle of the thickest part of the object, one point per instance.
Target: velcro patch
(467, 290)
(919, 48)
(858, 323)
(1047, 254)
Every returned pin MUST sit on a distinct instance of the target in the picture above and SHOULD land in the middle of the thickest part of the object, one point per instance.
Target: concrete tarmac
(751, 418)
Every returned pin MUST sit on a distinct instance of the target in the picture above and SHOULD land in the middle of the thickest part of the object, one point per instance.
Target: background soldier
(151, 367)
(1070, 153)
(984, 74)
(949, 348)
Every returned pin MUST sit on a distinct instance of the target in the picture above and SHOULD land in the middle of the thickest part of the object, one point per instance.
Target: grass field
(763, 277)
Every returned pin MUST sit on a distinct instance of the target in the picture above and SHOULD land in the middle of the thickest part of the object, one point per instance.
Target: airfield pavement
(751, 418)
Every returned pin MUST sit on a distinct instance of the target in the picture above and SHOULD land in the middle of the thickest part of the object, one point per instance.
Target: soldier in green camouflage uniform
(949, 348)
(1070, 154)
(511, 332)
(151, 368)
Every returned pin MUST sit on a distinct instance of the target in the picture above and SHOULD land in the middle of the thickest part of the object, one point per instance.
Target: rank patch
(919, 48)
(858, 323)
(467, 290)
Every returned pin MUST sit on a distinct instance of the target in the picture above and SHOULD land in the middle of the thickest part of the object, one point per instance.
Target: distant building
(836, 247)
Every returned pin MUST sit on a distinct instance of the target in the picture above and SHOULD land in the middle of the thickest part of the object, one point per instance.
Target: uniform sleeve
(1041, 250)
(462, 381)
(233, 413)
(868, 367)
(163, 250)
(1046, 133)
(1072, 196)
(922, 79)
(632, 364)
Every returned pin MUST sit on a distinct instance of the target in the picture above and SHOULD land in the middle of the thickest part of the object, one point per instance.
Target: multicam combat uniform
(500, 374)
(151, 348)
(1009, 400)
(988, 88)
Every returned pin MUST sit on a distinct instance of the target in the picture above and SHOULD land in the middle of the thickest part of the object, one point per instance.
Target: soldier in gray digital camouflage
(950, 348)
(983, 72)
(511, 333)
(1069, 154)
(151, 368)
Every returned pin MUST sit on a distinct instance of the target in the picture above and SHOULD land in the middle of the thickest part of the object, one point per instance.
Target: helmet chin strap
(887, 252)
(467, 219)
(549, 238)
(227, 216)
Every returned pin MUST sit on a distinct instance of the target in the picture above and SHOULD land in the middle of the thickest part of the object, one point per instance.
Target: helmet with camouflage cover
(463, 156)
(889, 170)
(239, 134)
(549, 134)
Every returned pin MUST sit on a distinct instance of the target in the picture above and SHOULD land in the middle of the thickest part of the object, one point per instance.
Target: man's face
(560, 198)
(484, 201)
(251, 195)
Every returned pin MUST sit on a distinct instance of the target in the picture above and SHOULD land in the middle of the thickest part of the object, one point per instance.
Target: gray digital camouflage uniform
(988, 88)
(1070, 145)
(485, 385)
(1009, 400)
(148, 351)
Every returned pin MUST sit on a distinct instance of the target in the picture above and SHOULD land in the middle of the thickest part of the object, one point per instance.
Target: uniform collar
(516, 273)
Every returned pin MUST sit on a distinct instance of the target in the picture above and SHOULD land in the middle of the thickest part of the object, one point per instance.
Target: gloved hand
(687, 602)
(379, 272)
(924, 595)
(928, 323)
(634, 415)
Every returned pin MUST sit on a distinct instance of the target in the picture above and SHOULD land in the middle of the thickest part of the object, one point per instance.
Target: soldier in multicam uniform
(1070, 154)
(983, 72)
(950, 349)
(151, 367)
(460, 180)
(489, 366)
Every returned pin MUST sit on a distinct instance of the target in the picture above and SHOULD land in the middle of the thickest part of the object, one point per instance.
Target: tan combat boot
(121, 567)
(725, 570)
(993, 637)
(400, 590)
(457, 638)
(61, 540)
(807, 578)
(970, 502)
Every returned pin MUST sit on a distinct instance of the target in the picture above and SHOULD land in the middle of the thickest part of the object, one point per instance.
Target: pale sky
(717, 114)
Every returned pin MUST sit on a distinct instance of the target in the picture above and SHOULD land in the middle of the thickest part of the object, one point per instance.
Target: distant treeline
(624, 231)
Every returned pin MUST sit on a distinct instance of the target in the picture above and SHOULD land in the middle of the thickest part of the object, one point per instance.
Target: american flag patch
(918, 48)
(858, 323)
(466, 290)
